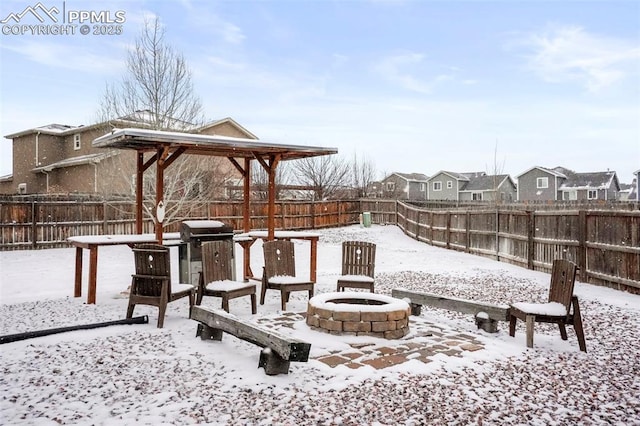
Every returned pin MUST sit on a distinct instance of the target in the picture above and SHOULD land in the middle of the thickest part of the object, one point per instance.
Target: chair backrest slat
(152, 259)
(563, 276)
(358, 258)
(279, 258)
(153, 265)
(217, 260)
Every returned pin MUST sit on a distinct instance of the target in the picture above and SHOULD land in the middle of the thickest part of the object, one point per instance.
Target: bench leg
(530, 322)
(416, 310)
(512, 325)
(487, 324)
(273, 363)
(254, 308)
(208, 333)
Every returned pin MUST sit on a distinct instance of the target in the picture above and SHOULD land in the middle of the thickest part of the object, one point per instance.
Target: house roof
(553, 172)
(417, 177)
(227, 120)
(135, 119)
(49, 129)
(454, 175)
(592, 180)
(143, 140)
(485, 183)
(75, 161)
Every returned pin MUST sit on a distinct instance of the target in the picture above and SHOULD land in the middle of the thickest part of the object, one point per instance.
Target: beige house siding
(109, 172)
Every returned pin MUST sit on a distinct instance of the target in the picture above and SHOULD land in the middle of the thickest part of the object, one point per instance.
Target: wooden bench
(486, 315)
(279, 350)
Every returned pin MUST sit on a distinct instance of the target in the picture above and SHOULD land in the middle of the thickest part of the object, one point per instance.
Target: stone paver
(424, 341)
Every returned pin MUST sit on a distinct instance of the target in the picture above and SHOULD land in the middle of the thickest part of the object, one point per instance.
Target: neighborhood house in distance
(60, 158)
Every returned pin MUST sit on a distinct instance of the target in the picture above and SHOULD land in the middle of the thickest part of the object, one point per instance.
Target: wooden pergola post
(246, 209)
(160, 166)
(139, 188)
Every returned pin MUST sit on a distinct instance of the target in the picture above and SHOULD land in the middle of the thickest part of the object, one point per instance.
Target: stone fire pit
(359, 314)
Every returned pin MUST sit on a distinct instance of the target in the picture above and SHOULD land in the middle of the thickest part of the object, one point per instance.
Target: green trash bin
(366, 219)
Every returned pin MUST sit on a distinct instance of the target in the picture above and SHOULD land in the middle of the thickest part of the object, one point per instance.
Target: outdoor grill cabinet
(192, 234)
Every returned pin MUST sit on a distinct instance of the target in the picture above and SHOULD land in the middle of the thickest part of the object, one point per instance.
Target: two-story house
(61, 158)
(559, 183)
(404, 186)
(473, 186)
(500, 188)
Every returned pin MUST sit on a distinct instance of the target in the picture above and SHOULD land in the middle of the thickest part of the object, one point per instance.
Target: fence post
(448, 232)
(530, 237)
(467, 237)
(582, 246)
(313, 213)
(105, 221)
(34, 225)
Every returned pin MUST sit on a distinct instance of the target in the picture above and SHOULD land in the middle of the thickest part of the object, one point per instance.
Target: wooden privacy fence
(604, 244)
(48, 224)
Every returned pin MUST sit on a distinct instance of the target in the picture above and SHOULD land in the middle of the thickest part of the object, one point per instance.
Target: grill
(192, 234)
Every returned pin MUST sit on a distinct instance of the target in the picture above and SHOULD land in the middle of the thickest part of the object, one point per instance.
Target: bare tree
(157, 89)
(496, 173)
(326, 174)
(157, 93)
(363, 174)
(260, 180)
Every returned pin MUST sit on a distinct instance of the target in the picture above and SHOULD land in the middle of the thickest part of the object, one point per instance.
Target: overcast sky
(415, 86)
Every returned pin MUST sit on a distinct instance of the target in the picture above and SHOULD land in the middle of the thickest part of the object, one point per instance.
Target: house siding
(404, 189)
(450, 194)
(528, 190)
(109, 176)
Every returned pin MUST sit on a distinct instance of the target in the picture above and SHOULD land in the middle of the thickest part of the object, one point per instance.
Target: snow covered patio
(445, 371)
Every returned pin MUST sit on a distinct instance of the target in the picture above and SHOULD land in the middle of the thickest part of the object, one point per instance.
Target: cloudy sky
(414, 86)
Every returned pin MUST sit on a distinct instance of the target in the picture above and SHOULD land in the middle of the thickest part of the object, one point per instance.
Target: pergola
(166, 147)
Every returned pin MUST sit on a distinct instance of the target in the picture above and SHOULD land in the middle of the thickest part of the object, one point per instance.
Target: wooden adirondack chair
(216, 278)
(557, 310)
(151, 284)
(358, 264)
(280, 271)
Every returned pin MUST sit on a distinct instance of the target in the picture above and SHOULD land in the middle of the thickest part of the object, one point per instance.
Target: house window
(449, 184)
(477, 196)
(542, 182)
(422, 187)
(437, 186)
(592, 194)
(76, 141)
(391, 186)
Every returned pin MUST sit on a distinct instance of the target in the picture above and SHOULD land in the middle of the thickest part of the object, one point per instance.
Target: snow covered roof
(553, 172)
(485, 183)
(454, 175)
(75, 161)
(591, 180)
(49, 129)
(413, 177)
(143, 140)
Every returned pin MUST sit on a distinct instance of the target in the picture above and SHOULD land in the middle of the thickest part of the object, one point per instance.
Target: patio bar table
(91, 243)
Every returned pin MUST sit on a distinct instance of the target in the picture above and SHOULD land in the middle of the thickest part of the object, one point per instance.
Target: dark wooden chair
(151, 284)
(562, 307)
(280, 271)
(358, 265)
(216, 278)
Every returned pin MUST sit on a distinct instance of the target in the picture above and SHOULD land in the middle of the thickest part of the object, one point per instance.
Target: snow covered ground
(138, 374)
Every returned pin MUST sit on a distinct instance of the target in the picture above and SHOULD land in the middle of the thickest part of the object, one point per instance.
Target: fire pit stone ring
(359, 314)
